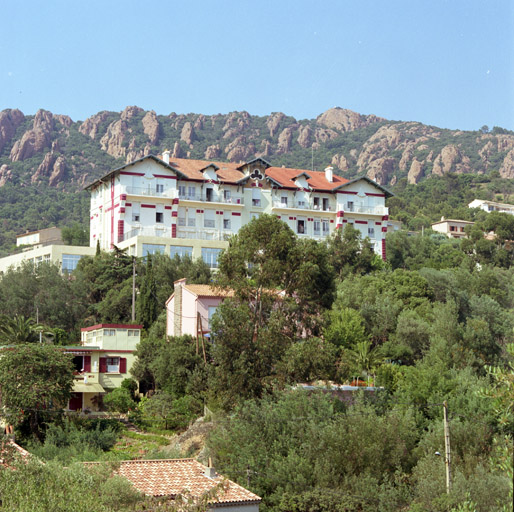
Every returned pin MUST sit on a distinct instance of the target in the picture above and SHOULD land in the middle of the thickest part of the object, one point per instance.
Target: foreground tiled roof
(226, 171)
(170, 477)
(205, 290)
(317, 179)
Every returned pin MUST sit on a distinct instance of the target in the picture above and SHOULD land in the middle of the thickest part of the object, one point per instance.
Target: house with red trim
(180, 206)
(102, 361)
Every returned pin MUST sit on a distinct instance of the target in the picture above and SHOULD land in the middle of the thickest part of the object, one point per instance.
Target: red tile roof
(170, 477)
(206, 290)
(318, 181)
(227, 172)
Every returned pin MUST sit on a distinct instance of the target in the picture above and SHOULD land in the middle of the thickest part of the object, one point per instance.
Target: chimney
(177, 307)
(210, 472)
(329, 174)
(166, 156)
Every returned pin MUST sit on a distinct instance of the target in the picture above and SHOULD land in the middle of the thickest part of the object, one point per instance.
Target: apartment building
(491, 206)
(452, 228)
(192, 207)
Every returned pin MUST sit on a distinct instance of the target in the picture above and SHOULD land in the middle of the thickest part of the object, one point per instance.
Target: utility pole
(133, 289)
(447, 455)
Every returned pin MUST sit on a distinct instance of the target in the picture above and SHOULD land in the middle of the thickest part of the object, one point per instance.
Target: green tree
(36, 381)
(18, 330)
(119, 400)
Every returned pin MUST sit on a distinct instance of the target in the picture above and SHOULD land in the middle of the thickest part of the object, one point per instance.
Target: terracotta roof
(205, 290)
(226, 171)
(170, 477)
(285, 177)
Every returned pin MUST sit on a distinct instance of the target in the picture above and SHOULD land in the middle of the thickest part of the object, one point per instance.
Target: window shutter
(87, 363)
(123, 365)
(103, 365)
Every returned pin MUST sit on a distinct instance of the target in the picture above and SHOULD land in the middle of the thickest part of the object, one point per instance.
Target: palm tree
(18, 329)
(364, 358)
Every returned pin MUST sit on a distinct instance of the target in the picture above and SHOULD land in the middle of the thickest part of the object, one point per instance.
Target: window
(69, 262)
(78, 363)
(109, 332)
(191, 220)
(209, 194)
(210, 256)
(181, 251)
(326, 227)
(316, 203)
(135, 212)
(371, 232)
(159, 217)
(113, 364)
(349, 206)
(182, 191)
(226, 223)
(159, 188)
(326, 207)
(181, 221)
(208, 218)
(191, 192)
(256, 197)
(300, 227)
(212, 310)
(153, 249)
(452, 228)
(283, 200)
(133, 332)
(317, 227)
(227, 196)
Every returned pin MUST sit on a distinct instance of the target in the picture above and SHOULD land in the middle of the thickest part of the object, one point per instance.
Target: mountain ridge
(55, 150)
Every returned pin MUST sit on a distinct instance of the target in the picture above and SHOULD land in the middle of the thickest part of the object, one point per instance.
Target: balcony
(302, 205)
(213, 198)
(204, 234)
(164, 233)
(373, 210)
(150, 192)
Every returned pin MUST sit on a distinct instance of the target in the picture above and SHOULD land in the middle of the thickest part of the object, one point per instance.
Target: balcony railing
(214, 198)
(204, 234)
(303, 205)
(375, 210)
(164, 233)
(148, 191)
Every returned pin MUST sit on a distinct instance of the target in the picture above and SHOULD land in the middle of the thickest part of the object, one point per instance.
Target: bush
(119, 400)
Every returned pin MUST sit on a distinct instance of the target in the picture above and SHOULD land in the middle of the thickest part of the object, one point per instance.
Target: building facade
(102, 361)
(491, 206)
(192, 207)
(452, 228)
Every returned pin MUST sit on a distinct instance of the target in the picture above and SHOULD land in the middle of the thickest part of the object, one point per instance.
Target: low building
(102, 361)
(48, 236)
(65, 256)
(191, 306)
(491, 206)
(452, 228)
(168, 478)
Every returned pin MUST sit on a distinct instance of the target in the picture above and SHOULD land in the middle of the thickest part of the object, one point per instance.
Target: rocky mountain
(56, 151)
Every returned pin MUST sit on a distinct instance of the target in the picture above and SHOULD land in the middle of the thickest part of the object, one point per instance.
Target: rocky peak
(446, 160)
(345, 120)
(188, 134)
(9, 122)
(130, 112)
(90, 126)
(5, 174)
(112, 141)
(305, 136)
(151, 127)
(273, 122)
(35, 140)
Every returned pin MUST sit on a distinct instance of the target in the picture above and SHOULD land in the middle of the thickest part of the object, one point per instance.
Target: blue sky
(448, 63)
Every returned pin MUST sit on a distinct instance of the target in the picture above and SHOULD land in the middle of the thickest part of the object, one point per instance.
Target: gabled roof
(135, 162)
(387, 193)
(284, 177)
(170, 477)
(227, 172)
(253, 160)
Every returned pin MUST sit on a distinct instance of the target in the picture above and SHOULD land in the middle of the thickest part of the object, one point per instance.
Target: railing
(302, 205)
(376, 210)
(148, 191)
(214, 198)
(204, 234)
(166, 233)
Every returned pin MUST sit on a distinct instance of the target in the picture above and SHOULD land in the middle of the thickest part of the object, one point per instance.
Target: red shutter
(87, 363)
(103, 365)
(123, 365)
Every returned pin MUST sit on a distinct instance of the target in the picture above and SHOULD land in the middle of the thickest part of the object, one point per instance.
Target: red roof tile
(227, 172)
(170, 477)
(318, 181)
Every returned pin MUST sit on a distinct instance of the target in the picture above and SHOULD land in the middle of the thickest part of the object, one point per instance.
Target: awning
(80, 387)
